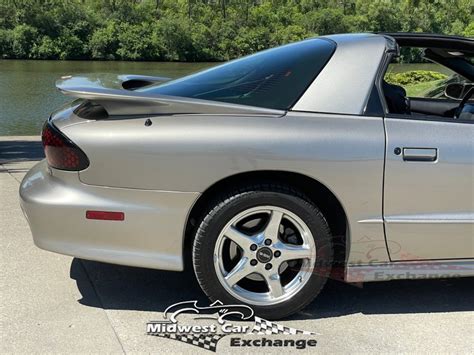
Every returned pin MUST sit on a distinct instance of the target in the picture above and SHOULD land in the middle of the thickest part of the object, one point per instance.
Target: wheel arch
(319, 194)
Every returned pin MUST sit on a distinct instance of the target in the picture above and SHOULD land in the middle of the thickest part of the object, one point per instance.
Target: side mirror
(456, 91)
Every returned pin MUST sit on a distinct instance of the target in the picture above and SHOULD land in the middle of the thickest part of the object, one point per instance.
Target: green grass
(418, 89)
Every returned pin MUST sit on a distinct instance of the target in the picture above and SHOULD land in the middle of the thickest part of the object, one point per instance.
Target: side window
(422, 80)
(274, 78)
(415, 86)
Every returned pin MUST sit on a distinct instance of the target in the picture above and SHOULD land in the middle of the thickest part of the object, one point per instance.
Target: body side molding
(410, 270)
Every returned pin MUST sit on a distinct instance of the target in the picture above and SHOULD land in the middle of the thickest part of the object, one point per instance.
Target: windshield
(274, 78)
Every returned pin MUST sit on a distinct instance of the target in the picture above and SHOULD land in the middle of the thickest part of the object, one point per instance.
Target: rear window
(275, 78)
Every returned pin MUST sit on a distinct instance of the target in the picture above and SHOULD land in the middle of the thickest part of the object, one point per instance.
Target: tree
(207, 30)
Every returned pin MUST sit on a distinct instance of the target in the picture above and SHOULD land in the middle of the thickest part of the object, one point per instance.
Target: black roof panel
(431, 40)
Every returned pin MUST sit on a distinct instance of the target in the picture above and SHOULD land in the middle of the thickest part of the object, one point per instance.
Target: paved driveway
(56, 303)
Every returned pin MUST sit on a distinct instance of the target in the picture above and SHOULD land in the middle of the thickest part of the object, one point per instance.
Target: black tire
(228, 205)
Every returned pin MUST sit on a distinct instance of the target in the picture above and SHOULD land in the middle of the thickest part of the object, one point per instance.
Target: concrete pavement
(58, 304)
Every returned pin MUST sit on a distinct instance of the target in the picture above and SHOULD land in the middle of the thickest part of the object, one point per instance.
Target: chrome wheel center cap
(264, 255)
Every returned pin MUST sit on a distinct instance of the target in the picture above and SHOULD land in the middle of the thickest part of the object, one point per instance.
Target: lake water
(28, 94)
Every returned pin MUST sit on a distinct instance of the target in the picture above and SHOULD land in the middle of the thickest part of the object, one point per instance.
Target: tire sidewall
(216, 220)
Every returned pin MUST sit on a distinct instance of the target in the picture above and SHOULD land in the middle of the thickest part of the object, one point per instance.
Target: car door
(429, 188)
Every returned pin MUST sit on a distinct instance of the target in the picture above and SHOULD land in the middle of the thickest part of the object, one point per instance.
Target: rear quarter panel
(189, 153)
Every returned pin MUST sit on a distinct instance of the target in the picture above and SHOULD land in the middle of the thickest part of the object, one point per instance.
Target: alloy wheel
(264, 255)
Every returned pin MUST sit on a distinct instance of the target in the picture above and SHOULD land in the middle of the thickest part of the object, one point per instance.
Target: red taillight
(60, 151)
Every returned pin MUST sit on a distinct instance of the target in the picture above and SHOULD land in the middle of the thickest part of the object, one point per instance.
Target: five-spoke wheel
(267, 246)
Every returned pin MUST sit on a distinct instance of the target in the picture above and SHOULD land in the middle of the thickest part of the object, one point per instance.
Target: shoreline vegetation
(207, 30)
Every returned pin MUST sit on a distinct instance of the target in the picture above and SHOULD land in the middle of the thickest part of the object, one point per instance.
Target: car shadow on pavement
(20, 150)
(129, 288)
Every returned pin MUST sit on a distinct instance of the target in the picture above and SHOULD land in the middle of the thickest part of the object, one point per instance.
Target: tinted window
(274, 78)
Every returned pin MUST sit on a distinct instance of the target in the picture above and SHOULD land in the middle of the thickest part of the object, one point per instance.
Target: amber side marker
(105, 215)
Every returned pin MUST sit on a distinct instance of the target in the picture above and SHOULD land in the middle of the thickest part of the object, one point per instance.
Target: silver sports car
(268, 174)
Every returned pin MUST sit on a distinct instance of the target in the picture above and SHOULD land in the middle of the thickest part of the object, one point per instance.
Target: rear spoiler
(110, 94)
